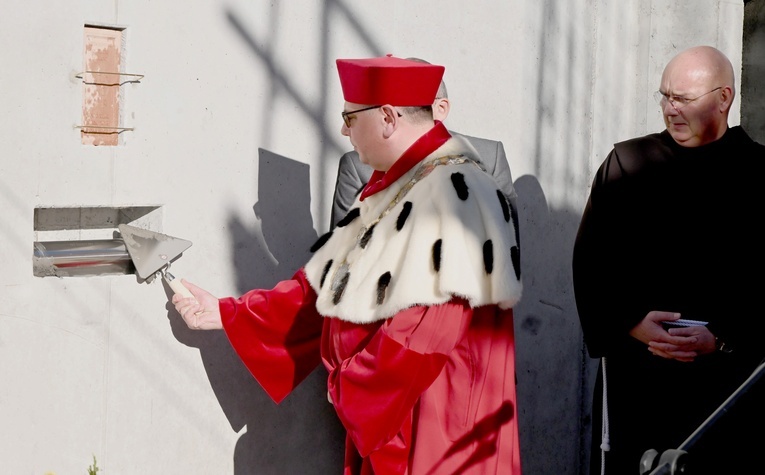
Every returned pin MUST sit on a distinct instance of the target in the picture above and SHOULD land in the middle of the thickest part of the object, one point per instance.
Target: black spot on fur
(403, 215)
(488, 256)
(514, 214)
(515, 256)
(505, 206)
(367, 236)
(437, 255)
(321, 241)
(458, 181)
(324, 272)
(382, 285)
(340, 289)
(352, 214)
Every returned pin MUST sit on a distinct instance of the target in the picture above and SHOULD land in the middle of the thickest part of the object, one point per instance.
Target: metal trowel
(152, 253)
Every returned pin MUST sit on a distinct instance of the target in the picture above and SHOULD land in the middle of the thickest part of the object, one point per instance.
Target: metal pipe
(81, 258)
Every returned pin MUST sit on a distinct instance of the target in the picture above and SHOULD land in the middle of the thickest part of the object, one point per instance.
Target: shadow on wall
(304, 424)
(330, 143)
(549, 346)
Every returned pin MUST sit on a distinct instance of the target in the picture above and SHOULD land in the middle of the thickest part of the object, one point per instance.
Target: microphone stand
(673, 461)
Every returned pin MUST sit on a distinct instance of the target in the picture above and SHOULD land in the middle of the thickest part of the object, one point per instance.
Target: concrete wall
(234, 146)
(753, 73)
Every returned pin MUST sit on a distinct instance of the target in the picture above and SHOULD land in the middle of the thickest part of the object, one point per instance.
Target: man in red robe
(407, 302)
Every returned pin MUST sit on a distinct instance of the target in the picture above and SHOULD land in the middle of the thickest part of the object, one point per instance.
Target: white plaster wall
(236, 141)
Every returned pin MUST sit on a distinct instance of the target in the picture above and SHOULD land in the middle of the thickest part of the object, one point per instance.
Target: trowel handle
(177, 285)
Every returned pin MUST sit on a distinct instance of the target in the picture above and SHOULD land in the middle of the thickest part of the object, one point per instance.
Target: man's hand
(681, 344)
(201, 312)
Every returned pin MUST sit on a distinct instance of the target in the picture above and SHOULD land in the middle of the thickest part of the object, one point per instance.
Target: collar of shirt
(420, 149)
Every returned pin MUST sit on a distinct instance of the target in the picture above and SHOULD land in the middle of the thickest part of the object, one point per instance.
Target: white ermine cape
(442, 230)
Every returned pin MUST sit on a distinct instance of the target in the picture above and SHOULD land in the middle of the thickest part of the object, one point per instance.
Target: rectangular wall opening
(84, 241)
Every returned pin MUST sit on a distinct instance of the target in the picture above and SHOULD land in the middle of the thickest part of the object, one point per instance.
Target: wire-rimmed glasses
(678, 102)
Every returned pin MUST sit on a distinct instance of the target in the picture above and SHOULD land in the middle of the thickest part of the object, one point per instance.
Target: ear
(727, 98)
(391, 120)
(441, 108)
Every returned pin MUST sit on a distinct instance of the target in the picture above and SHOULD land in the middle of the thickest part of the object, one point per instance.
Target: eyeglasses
(348, 115)
(678, 102)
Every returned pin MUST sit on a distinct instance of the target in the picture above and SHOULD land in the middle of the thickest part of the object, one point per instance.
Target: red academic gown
(414, 392)
(430, 390)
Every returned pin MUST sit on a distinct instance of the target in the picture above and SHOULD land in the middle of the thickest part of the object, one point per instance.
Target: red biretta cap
(389, 80)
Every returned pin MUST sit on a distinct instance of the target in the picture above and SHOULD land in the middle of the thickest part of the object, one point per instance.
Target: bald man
(671, 231)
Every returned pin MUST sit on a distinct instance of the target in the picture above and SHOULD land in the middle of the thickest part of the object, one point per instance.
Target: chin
(679, 132)
(678, 136)
(684, 140)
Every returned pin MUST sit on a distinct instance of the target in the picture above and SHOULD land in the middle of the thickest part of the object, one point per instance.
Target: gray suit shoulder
(352, 175)
(492, 154)
(486, 148)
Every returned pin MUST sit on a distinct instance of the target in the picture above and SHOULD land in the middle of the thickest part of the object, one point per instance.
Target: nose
(344, 130)
(668, 108)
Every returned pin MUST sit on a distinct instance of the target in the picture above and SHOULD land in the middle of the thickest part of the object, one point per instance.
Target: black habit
(675, 229)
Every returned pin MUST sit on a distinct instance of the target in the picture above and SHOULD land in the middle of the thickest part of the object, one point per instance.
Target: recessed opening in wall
(102, 58)
(84, 241)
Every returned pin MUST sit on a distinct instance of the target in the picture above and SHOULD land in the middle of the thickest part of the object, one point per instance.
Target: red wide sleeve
(276, 333)
(375, 390)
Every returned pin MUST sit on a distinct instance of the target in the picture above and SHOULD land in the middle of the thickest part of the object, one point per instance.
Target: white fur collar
(450, 235)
